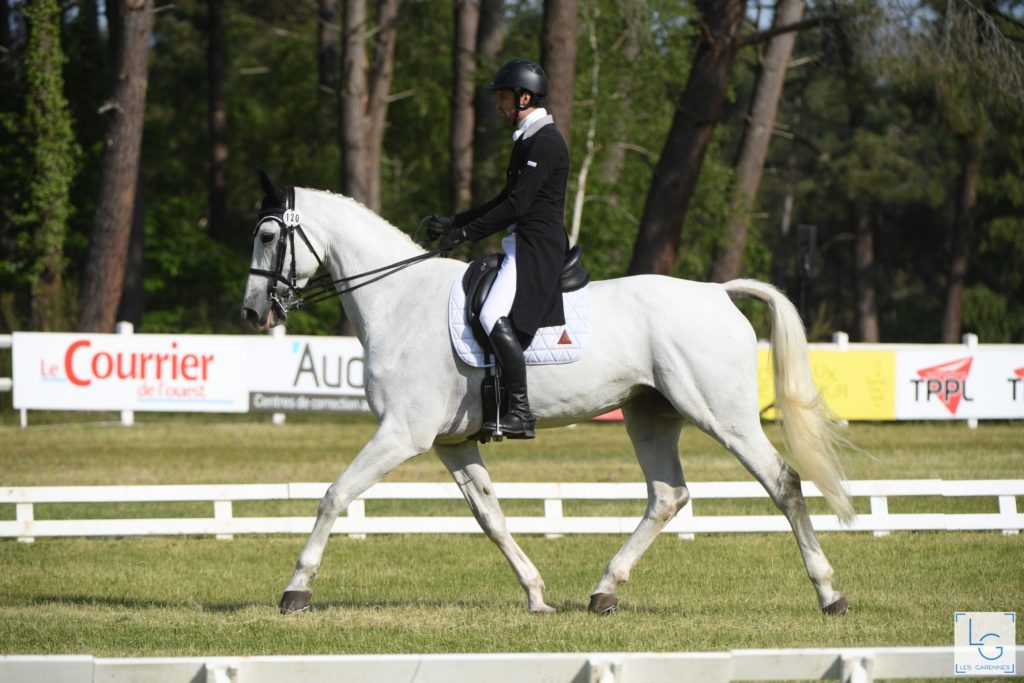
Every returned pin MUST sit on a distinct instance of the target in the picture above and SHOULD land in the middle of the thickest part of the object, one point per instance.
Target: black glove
(438, 226)
(451, 237)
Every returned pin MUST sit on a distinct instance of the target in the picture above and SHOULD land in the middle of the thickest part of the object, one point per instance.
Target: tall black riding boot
(518, 422)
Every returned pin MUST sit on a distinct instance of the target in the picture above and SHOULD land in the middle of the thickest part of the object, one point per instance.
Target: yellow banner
(857, 385)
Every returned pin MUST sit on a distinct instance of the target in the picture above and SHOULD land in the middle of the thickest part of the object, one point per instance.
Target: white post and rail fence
(223, 523)
(848, 665)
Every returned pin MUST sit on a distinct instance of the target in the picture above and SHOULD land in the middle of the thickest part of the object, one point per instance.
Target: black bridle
(322, 287)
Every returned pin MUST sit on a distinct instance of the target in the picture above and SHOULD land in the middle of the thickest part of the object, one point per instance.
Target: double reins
(322, 287)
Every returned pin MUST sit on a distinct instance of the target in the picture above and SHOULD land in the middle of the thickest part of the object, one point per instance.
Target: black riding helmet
(519, 76)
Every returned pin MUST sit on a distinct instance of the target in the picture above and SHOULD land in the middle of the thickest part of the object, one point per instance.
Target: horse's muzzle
(251, 315)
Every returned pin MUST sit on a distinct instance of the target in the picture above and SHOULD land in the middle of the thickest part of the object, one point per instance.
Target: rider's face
(505, 103)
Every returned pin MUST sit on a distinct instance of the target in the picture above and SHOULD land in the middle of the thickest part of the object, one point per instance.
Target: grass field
(199, 596)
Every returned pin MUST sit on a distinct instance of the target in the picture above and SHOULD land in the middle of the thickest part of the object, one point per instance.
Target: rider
(525, 295)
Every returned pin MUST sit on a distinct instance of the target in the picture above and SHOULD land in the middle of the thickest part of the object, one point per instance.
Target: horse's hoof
(295, 601)
(543, 609)
(603, 603)
(837, 608)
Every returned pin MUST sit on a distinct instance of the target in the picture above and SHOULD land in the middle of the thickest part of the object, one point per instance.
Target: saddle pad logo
(946, 382)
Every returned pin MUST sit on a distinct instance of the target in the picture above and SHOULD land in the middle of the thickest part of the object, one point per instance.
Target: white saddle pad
(551, 346)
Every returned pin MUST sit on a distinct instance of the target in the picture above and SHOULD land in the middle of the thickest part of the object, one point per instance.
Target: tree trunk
(467, 17)
(5, 33)
(857, 91)
(217, 122)
(327, 46)
(756, 137)
(132, 303)
(699, 110)
(558, 57)
(377, 101)
(864, 273)
(103, 275)
(364, 98)
(963, 230)
(590, 146)
(49, 124)
(486, 172)
(112, 9)
(353, 94)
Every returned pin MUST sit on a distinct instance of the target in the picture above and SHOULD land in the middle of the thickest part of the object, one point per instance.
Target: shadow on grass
(235, 607)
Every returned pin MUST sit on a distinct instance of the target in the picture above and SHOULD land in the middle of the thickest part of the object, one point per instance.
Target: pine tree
(48, 124)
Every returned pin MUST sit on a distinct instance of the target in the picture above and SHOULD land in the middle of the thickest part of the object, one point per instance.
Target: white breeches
(503, 292)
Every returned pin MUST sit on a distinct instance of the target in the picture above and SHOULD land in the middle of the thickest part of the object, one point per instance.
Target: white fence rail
(850, 665)
(224, 523)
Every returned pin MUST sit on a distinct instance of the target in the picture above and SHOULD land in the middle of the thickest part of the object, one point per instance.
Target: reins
(322, 287)
(328, 290)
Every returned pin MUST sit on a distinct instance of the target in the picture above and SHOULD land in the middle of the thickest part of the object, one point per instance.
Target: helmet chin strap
(520, 107)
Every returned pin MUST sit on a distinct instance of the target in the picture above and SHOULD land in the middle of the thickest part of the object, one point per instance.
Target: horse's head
(278, 270)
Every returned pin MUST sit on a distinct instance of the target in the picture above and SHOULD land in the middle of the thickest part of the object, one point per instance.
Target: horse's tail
(811, 436)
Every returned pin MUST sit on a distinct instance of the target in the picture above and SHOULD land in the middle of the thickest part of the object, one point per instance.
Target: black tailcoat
(534, 200)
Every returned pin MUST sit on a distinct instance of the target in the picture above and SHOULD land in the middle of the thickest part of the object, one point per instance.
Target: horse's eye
(266, 238)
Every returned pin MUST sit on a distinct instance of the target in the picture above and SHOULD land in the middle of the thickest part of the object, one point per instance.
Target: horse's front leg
(383, 453)
(469, 472)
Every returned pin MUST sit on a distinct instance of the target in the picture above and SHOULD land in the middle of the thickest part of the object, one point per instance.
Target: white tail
(812, 439)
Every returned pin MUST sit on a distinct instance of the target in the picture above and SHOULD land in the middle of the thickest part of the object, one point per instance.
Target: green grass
(385, 594)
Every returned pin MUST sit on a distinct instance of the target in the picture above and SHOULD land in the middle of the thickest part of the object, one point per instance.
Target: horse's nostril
(252, 316)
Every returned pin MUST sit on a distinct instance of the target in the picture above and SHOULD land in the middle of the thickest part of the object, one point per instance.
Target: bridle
(322, 287)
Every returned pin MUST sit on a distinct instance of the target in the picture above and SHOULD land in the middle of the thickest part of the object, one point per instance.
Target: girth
(482, 272)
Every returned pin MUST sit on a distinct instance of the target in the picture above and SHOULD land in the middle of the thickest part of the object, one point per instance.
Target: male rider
(525, 296)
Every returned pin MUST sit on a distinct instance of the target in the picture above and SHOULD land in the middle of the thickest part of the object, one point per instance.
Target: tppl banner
(956, 383)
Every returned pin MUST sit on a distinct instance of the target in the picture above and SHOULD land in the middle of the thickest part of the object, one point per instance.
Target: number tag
(291, 218)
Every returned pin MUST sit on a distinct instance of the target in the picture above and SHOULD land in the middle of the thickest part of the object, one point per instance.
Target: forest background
(867, 156)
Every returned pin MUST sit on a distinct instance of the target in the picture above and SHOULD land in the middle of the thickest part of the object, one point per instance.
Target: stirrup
(513, 426)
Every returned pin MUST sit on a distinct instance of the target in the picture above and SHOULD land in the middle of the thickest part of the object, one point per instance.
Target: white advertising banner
(958, 383)
(211, 373)
(319, 374)
(155, 372)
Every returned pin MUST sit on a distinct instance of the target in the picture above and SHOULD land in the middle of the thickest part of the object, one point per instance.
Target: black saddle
(480, 276)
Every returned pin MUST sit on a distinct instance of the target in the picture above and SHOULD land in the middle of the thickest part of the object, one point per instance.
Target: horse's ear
(273, 192)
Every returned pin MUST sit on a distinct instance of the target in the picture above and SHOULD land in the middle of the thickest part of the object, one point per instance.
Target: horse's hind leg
(383, 453)
(782, 483)
(470, 473)
(653, 426)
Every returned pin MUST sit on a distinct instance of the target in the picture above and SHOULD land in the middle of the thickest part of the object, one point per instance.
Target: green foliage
(899, 158)
(47, 128)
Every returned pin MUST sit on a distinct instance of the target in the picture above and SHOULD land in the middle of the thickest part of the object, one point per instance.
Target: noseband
(321, 287)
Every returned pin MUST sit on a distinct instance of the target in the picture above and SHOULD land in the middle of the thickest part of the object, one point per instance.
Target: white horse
(664, 350)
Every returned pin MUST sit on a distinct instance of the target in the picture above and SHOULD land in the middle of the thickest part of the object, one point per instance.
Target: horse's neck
(355, 240)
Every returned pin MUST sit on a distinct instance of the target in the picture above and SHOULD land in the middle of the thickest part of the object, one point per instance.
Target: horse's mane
(369, 212)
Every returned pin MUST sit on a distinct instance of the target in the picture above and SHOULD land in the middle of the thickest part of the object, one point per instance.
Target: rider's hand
(437, 226)
(451, 237)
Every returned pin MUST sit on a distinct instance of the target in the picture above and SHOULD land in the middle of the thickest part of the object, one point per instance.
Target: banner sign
(228, 374)
(911, 382)
(180, 373)
(187, 373)
(953, 384)
(318, 374)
